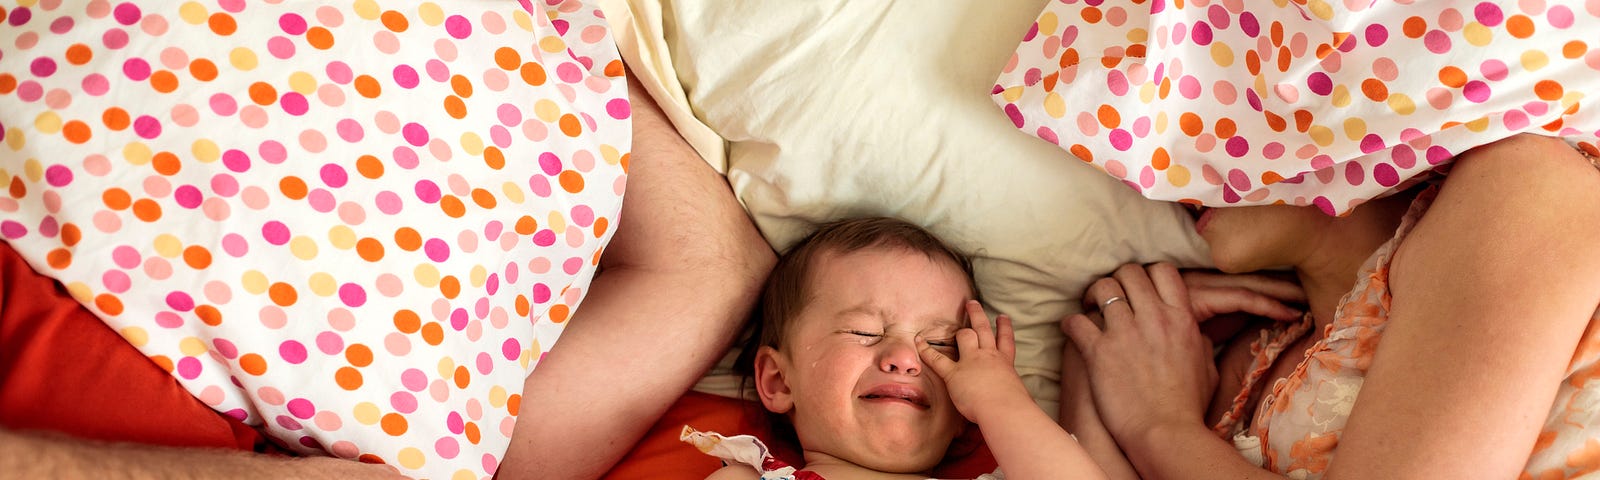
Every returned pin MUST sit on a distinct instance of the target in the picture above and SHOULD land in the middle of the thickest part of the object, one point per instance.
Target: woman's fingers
(1279, 288)
(1081, 331)
(1210, 302)
(1109, 299)
(1141, 292)
(1169, 284)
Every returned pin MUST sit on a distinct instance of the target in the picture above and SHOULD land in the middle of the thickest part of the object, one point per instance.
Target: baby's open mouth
(897, 393)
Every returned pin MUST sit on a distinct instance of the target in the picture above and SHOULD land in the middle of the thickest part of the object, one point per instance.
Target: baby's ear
(771, 383)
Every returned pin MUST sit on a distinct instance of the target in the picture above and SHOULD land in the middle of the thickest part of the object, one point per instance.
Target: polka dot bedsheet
(1306, 102)
(355, 225)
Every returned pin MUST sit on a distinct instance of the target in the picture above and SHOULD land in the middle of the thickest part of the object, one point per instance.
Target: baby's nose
(900, 356)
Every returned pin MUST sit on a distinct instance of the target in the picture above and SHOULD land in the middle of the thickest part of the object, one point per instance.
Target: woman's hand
(1212, 294)
(1149, 366)
(985, 373)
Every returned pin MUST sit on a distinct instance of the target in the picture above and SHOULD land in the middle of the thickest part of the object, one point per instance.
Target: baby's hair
(788, 286)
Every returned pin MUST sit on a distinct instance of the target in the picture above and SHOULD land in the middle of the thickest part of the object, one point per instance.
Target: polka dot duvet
(354, 224)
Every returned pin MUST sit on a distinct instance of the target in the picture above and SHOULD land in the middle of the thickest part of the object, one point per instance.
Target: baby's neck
(835, 468)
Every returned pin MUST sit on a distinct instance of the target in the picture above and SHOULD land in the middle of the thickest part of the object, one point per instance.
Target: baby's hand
(985, 372)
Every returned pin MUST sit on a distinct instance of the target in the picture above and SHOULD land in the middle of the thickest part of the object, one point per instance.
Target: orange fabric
(62, 369)
(660, 455)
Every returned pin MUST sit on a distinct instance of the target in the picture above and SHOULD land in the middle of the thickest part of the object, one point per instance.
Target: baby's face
(860, 391)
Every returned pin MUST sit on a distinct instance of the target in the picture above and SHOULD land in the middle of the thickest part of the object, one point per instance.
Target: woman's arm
(51, 455)
(680, 278)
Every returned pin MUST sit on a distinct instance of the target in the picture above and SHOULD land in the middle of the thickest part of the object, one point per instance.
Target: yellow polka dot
(479, 275)
(254, 282)
(526, 358)
(242, 59)
(1479, 125)
(135, 335)
(426, 275)
(1572, 98)
(1054, 105)
(447, 367)
(303, 247)
(1147, 92)
(411, 458)
(1477, 34)
(1401, 104)
(5, 177)
(342, 237)
(368, 9)
(1355, 129)
(1534, 59)
(524, 21)
(14, 139)
(34, 169)
(366, 413)
(205, 151)
(81, 292)
(302, 83)
(552, 44)
(1161, 122)
(1177, 175)
(1221, 54)
(430, 13)
(1320, 8)
(497, 396)
(472, 144)
(137, 153)
(193, 13)
(322, 284)
(168, 246)
(1011, 94)
(464, 474)
(47, 123)
(27, 3)
(512, 192)
(1322, 135)
(546, 110)
(610, 154)
(1341, 96)
(1048, 23)
(1138, 35)
(192, 346)
(556, 222)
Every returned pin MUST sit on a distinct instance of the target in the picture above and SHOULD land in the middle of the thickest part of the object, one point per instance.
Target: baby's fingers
(1005, 339)
(980, 324)
(940, 364)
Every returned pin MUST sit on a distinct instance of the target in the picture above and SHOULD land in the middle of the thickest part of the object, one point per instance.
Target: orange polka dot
(433, 333)
(1574, 49)
(1324, 50)
(147, 210)
(1302, 120)
(166, 163)
(523, 306)
(1092, 14)
(1108, 116)
(1520, 26)
(292, 187)
(615, 69)
(1160, 160)
(370, 458)
(282, 294)
(8, 83)
(18, 189)
(407, 321)
(76, 132)
(1081, 152)
(571, 181)
(59, 258)
(253, 364)
(1191, 124)
(461, 86)
(358, 355)
(408, 239)
(600, 225)
(1111, 61)
(370, 249)
(507, 58)
(472, 433)
(197, 257)
(115, 118)
(1135, 51)
(1414, 27)
(559, 313)
(514, 403)
(79, 54)
(1069, 57)
(395, 21)
(455, 107)
(70, 234)
(209, 315)
(626, 159)
(1549, 90)
(1452, 77)
(527, 225)
(449, 286)
(348, 378)
(1275, 122)
(462, 377)
(1276, 33)
(222, 24)
(570, 125)
(494, 158)
(164, 81)
(319, 38)
(369, 166)
(452, 206)
(1252, 61)
(483, 198)
(116, 198)
(162, 361)
(394, 424)
(263, 93)
(108, 303)
(1270, 177)
(1375, 89)
(368, 86)
(203, 70)
(533, 74)
(1284, 58)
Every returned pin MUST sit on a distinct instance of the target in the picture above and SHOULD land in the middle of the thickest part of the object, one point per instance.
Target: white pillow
(839, 109)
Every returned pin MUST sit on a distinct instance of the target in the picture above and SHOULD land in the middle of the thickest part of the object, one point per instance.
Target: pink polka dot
(427, 191)
(273, 317)
(58, 175)
(403, 402)
(292, 351)
(275, 232)
(415, 134)
(352, 295)
(454, 422)
(168, 320)
(437, 71)
(300, 407)
(126, 13)
(330, 343)
(185, 115)
(157, 268)
(502, 137)
(406, 77)
(116, 281)
(436, 250)
(541, 293)
(153, 25)
(414, 380)
(189, 368)
(458, 319)
(1476, 91)
(397, 344)
(1493, 70)
(187, 196)
(618, 108)
(321, 200)
(225, 348)
(30, 90)
(96, 84)
(218, 292)
(273, 152)
(405, 158)
(42, 67)
(390, 285)
(458, 26)
(124, 256)
(1385, 175)
(1121, 139)
(485, 363)
(1560, 16)
(1515, 120)
(280, 47)
(136, 69)
(114, 39)
(1437, 41)
(180, 301)
(544, 238)
(1488, 14)
(330, 16)
(294, 103)
(292, 24)
(96, 164)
